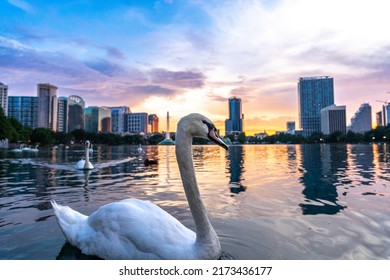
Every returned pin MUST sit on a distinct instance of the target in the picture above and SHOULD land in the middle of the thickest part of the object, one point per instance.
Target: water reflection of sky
(285, 191)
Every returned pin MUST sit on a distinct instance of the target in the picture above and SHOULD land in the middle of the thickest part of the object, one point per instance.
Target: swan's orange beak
(213, 136)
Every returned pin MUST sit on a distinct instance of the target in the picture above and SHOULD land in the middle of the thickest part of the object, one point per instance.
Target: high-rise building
(314, 94)
(76, 106)
(234, 123)
(137, 123)
(24, 109)
(153, 123)
(47, 106)
(382, 117)
(118, 118)
(97, 119)
(290, 125)
(333, 119)
(62, 114)
(362, 120)
(4, 98)
(379, 118)
(386, 114)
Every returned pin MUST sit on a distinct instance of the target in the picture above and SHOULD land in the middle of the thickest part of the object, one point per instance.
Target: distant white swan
(26, 148)
(35, 149)
(139, 148)
(90, 149)
(135, 229)
(85, 164)
(17, 150)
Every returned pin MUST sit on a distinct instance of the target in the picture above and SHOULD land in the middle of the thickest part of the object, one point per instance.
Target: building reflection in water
(236, 167)
(323, 168)
(381, 159)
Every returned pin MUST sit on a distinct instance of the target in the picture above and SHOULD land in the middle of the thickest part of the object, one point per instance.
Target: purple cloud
(106, 67)
(146, 90)
(181, 79)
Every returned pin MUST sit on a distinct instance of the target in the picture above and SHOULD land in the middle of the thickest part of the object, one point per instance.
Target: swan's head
(200, 126)
(87, 144)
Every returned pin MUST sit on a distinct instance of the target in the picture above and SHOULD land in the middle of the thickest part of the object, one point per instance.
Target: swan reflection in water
(69, 252)
(84, 176)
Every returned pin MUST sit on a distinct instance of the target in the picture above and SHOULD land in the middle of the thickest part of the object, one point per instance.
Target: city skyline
(191, 56)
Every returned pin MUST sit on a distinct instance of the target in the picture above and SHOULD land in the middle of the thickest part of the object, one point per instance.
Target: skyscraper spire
(167, 136)
(167, 140)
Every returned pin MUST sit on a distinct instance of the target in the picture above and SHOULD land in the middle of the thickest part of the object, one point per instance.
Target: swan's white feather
(80, 164)
(135, 229)
(85, 164)
(128, 229)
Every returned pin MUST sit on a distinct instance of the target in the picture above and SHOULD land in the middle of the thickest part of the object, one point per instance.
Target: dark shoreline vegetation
(14, 131)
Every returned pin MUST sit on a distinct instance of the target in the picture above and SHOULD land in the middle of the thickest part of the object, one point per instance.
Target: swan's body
(85, 164)
(34, 149)
(25, 148)
(17, 150)
(135, 229)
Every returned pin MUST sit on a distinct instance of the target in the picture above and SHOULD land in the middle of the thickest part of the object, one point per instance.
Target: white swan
(90, 149)
(135, 229)
(85, 164)
(17, 150)
(34, 149)
(25, 148)
(139, 148)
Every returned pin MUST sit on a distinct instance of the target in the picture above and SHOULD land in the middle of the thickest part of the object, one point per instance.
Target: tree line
(379, 134)
(15, 132)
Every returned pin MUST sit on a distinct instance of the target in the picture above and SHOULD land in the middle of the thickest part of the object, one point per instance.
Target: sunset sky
(191, 56)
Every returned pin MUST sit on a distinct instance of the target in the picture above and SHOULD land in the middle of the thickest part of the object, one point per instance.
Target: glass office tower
(314, 94)
(24, 109)
(76, 106)
(234, 123)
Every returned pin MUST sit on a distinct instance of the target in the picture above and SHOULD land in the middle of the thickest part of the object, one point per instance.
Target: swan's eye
(210, 126)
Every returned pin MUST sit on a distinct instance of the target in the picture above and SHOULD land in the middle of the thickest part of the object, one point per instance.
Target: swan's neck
(86, 164)
(205, 233)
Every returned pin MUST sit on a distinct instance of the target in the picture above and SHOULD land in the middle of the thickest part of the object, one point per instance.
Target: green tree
(79, 135)
(335, 137)
(24, 133)
(42, 136)
(353, 137)
(6, 128)
(316, 137)
(241, 138)
(156, 138)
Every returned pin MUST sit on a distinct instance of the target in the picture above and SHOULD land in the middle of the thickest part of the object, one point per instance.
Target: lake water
(264, 201)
